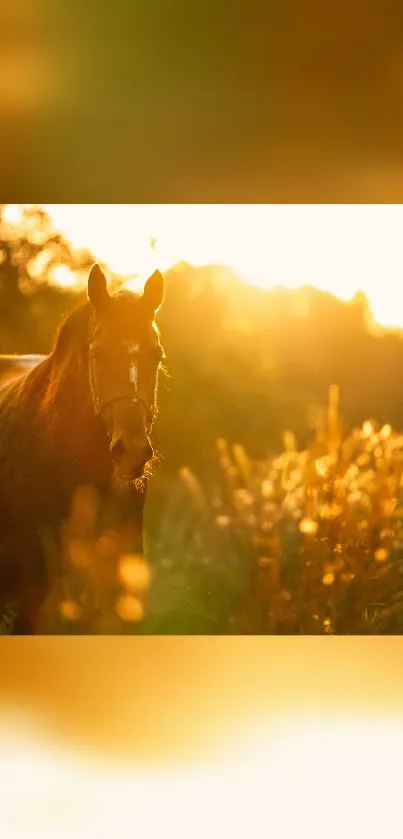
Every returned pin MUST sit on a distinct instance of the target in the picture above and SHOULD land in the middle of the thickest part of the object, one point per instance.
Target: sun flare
(340, 248)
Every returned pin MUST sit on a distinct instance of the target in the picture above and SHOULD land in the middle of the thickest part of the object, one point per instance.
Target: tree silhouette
(30, 302)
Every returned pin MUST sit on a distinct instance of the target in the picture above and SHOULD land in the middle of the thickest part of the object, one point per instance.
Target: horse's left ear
(98, 294)
(154, 292)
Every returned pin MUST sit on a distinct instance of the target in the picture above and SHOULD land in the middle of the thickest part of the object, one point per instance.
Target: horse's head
(124, 357)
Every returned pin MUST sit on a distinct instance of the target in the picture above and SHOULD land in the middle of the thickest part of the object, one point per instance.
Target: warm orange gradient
(341, 248)
(200, 737)
(308, 778)
(156, 700)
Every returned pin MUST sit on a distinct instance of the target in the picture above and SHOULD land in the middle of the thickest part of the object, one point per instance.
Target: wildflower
(134, 573)
(223, 521)
(242, 460)
(331, 511)
(368, 429)
(389, 506)
(309, 527)
(354, 498)
(243, 497)
(381, 555)
(351, 472)
(339, 487)
(129, 608)
(267, 488)
(70, 610)
(279, 463)
(322, 467)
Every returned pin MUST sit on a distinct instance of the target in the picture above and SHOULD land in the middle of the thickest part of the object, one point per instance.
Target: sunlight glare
(63, 276)
(340, 248)
(12, 213)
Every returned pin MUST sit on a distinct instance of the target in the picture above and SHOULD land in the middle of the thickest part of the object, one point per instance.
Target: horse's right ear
(98, 294)
(153, 294)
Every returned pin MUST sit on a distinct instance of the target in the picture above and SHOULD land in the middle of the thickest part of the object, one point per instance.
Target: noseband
(117, 385)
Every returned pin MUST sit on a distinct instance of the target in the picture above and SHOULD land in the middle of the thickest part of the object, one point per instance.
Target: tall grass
(300, 542)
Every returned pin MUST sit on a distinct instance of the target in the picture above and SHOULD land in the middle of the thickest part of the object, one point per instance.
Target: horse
(81, 416)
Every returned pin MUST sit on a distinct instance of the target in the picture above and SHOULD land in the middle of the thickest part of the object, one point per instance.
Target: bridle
(125, 388)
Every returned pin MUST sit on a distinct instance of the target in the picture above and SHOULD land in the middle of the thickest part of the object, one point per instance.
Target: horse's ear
(98, 294)
(154, 292)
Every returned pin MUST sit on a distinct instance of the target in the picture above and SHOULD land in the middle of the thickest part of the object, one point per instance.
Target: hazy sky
(337, 247)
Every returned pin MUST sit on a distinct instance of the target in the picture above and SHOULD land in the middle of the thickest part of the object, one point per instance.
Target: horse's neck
(50, 440)
(81, 456)
(76, 432)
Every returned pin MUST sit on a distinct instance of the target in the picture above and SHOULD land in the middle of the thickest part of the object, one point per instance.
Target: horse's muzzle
(130, 459)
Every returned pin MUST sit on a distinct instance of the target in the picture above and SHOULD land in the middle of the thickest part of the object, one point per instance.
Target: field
(250, 527)
(302, 542)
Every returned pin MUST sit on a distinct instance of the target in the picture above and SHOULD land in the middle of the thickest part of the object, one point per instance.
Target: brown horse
(81, 416)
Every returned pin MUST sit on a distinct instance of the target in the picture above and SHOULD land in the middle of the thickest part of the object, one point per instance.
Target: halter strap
(99, 402)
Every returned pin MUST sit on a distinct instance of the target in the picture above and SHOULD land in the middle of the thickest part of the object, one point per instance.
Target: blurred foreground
(302, 542)
(201, 736)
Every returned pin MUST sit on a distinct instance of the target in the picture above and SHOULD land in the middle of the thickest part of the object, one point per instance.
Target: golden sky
(340, 248)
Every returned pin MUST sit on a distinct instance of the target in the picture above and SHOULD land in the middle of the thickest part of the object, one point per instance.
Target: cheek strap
(115, 392)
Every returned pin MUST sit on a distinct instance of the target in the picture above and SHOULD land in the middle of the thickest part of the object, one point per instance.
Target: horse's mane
(42, 383)
(45, 413)
(67, 358)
